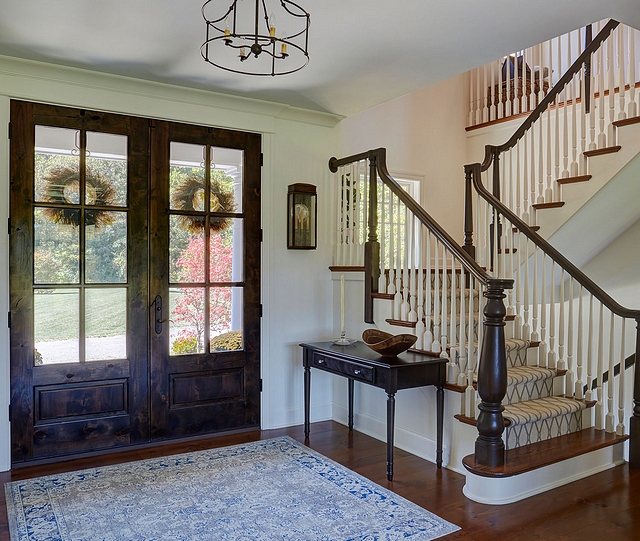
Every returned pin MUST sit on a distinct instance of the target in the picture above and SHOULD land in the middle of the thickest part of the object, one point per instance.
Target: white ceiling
(362, 52)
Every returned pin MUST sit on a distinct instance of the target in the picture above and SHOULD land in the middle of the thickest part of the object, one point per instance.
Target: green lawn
(56, 314)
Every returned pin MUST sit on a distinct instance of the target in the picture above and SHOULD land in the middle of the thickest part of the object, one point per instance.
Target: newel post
(372, 246)
(634, 422)
(492, 377)
(468, 212)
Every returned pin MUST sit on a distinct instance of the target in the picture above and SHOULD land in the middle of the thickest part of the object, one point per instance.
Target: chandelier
(247, 38)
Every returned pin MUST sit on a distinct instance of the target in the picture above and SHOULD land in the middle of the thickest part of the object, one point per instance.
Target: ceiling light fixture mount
(245, 39)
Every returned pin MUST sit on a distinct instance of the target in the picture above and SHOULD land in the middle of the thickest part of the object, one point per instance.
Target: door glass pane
(56, 245)
(105, 247)
(226, 250)
(57, 160)
(106, 175)
(225, 318)
(186, 249)
(187, 320)
(226, 179)
(186, 177)
(56, 326)
(106, 323)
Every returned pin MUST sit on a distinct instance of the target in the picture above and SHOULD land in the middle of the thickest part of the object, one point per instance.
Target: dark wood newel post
(468, 212)
(492, 377)
(372, 246)
(634, 422)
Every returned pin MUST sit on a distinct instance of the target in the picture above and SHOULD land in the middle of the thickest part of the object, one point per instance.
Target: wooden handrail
(379, 157)
(491, 150)
(574, 271)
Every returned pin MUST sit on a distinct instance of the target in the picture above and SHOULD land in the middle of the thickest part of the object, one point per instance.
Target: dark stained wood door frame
(131, 426)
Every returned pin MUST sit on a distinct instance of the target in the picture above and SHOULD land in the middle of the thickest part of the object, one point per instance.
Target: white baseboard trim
(506, 490)
(403, 439)
(295, 416)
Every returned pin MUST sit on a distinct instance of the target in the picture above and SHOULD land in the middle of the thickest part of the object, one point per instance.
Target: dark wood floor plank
(605, 506)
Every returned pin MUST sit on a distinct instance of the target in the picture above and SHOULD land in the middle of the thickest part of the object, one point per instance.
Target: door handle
(159, 320)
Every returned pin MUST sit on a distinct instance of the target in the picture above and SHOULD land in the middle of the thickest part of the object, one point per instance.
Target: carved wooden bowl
(388, 345)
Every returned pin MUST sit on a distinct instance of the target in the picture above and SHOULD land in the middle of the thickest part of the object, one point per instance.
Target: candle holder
(343, 340)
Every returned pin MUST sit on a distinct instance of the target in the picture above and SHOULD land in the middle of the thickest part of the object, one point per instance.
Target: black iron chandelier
(245, 39)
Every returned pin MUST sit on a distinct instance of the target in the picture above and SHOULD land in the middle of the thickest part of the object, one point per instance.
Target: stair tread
(627, 121)
(544, 453)
(570, 180)
(552, 205)
(538, 409)
(602, 151)
(526, 374)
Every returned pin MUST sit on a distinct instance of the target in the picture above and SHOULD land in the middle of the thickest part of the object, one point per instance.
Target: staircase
(542, 380)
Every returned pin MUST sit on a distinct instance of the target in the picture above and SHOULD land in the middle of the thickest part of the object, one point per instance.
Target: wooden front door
(89, 312)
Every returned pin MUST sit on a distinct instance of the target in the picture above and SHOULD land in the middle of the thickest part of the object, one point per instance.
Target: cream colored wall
(424, 135)
(296, 286)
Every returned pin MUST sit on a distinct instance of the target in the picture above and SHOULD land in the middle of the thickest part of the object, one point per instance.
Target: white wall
(424, 135)
(296, 286)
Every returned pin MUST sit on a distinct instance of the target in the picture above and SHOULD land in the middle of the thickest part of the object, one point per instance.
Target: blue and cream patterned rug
(264, 490)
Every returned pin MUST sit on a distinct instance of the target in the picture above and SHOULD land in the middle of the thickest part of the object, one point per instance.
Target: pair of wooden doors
(134, 278)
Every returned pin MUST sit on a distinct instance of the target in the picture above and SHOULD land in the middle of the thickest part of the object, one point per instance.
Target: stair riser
(519, 435)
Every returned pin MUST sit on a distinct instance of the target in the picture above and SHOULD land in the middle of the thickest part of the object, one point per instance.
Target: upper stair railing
(575, 119)
(433, 283)
(579, 327)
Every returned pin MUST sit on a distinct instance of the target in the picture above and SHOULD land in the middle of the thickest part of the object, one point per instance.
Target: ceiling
(362, 52)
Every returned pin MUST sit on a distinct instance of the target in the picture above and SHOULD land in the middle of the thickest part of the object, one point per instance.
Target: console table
(358, 362)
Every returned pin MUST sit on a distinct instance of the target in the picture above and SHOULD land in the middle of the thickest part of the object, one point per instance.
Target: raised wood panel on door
(67, 408)
(206, 392)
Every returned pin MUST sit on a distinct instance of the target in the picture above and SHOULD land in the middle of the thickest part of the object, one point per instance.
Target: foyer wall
(424, 135)
(296, 286)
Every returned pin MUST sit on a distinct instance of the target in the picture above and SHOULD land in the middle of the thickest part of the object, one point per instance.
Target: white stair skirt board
(500, 491)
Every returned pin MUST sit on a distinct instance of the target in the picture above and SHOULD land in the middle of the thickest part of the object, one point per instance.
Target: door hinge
(10, 130)
(261, 159)
(260, 309)
(9, 319)
(9, 225)
(152, 123)
(261, 235)
(260, 387)
(10, 412)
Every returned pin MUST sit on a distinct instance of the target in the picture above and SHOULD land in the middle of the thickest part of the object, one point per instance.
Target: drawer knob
(357, 372)
(320, 361)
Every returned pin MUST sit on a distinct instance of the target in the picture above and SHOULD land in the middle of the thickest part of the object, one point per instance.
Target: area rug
(264, 490)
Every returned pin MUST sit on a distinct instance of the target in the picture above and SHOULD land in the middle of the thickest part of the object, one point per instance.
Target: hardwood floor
(605, 506)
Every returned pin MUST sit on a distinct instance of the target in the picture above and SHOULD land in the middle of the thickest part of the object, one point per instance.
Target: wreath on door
(62, 187)
(190, 196)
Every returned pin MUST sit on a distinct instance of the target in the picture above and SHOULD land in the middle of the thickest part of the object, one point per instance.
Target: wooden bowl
(388, 345)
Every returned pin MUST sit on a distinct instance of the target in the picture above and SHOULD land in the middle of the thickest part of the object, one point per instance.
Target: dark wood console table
(358, 362)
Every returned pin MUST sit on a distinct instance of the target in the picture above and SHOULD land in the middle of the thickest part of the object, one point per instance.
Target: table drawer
(344, 368)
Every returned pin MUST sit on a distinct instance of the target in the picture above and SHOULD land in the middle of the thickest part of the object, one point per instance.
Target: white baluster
(592, 102)
(420, 324)
(472, 116)
(492, 92)
(565, 130)
(516, 180)
(412, 277)
(485, 109)
(365, 206)
(602, 135)
(444, 290)
(526, 327)
(517, 324)
(436, 347)
(599, 410)
(508, 110)
(632, 109)
(582, 159)
(463, 360)
(382, 280)
(500, 94)
(337, 191)
(590, 348)
(548, 193)
(610, 420)
(620, 430)
(573, 168)
(579, 391)
(406, 280)
(478, 98)
(391, 286)
(551, 356)
(398, 298)
(535, 336)
(611, 129)
(540, 152)
(569, 376)
(428, 336)
(542, 348)
(527, 209)
(622, 95)
(454, 366)
(354, 207)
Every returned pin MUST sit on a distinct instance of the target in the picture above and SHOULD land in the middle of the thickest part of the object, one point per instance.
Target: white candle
(342, 304)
